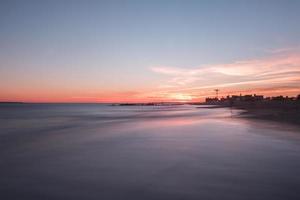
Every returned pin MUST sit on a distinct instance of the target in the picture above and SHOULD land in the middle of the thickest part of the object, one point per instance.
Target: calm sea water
(85, 151)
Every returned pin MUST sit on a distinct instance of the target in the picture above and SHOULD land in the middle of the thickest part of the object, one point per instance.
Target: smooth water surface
(94, 151)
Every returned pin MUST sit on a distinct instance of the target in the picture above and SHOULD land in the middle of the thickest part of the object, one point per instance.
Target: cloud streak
(280, 70)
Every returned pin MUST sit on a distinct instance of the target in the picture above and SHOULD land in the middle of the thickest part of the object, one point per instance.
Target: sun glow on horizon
(181, 97)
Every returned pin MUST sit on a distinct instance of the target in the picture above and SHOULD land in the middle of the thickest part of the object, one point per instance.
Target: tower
(217, 93)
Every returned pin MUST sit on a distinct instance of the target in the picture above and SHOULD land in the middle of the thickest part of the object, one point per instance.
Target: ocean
(99, 151)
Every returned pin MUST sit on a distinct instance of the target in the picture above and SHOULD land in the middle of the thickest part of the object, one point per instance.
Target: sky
(147, 51)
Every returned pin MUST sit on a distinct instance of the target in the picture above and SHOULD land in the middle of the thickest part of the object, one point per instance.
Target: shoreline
(275, 111)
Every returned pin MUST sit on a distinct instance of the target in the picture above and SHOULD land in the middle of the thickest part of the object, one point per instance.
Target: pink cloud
(281, 69)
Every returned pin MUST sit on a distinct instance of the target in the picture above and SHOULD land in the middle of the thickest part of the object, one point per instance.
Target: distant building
(278, 98)
(236, 98)
(211, 100)
(249, 98)
(258, 97)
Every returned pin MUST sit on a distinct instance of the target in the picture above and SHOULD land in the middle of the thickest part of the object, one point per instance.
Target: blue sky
(112, 45)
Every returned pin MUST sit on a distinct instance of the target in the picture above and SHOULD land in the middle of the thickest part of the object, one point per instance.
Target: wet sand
(177, 152)
(282, 112)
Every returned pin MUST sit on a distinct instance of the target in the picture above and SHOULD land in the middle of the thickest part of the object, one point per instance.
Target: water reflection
(104, 152)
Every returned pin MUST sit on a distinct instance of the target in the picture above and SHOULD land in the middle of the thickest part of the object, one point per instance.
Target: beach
(279, 111)
(99, 151)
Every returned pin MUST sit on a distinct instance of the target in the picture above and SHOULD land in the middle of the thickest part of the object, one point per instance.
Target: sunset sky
(145, 51)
